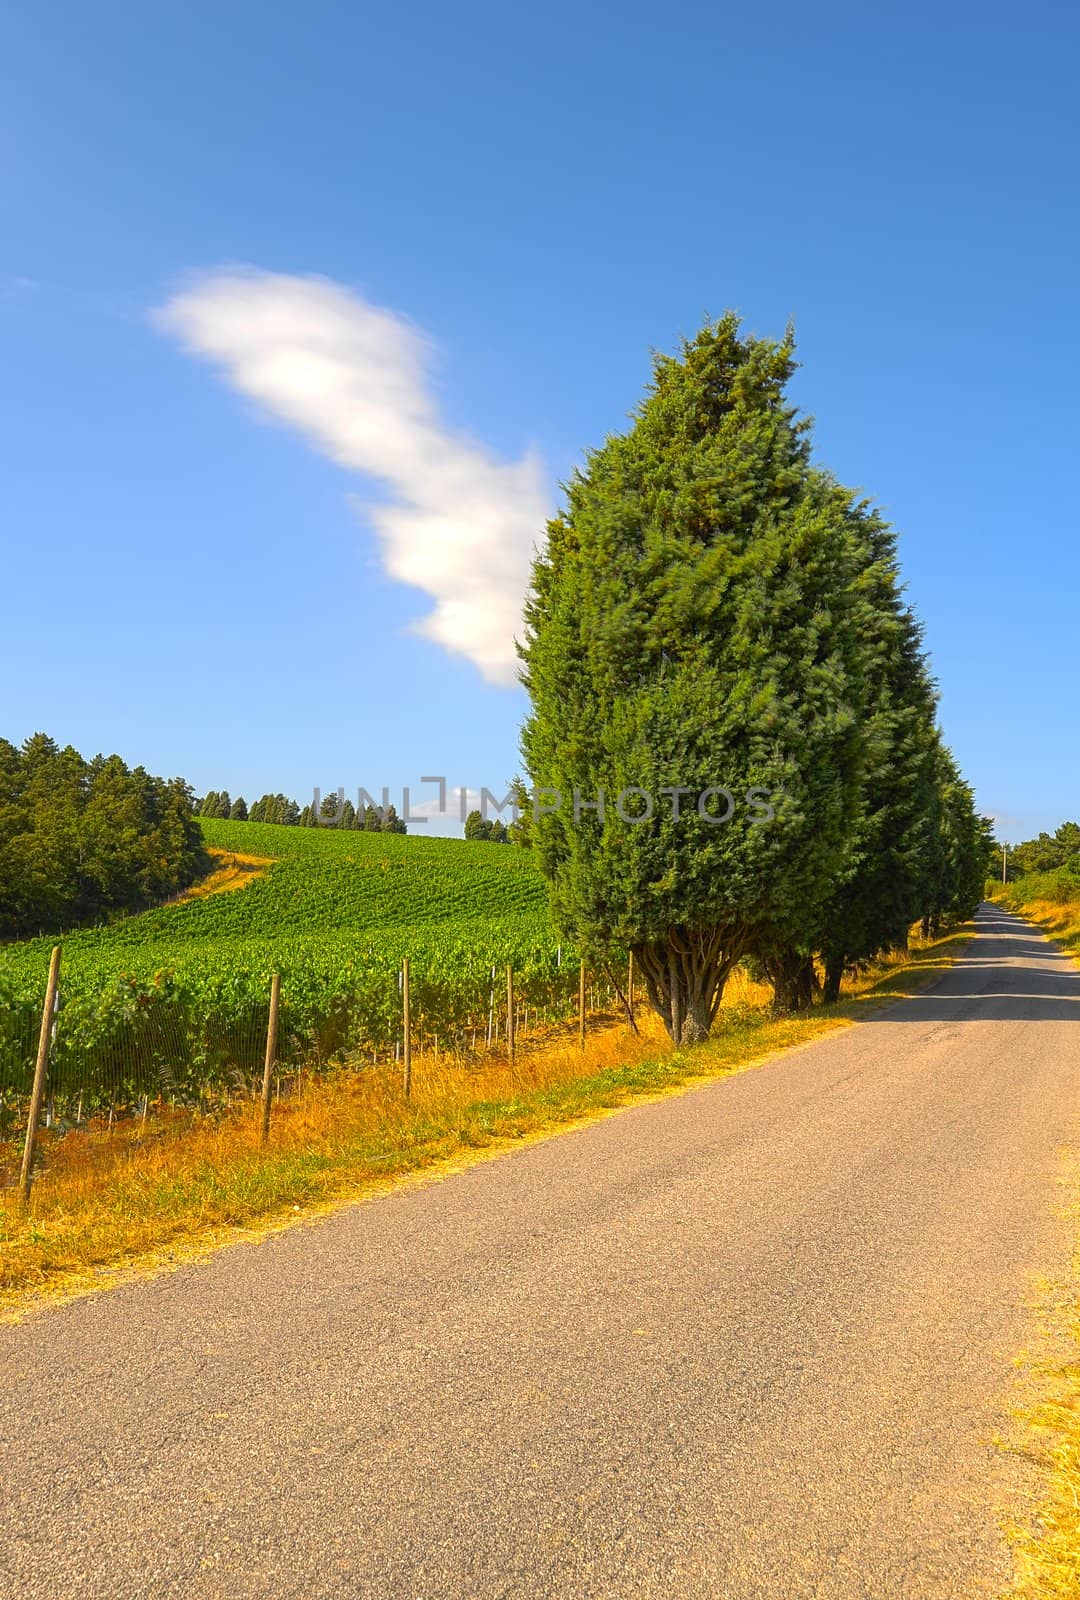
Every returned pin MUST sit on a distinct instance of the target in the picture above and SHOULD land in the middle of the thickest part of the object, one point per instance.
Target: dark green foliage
(238, 811)
(82, 840)
(694, 622)
(921, 852)
(880, 888)
(331, 810)
(519, 831)
(274, 808)
(481, 828)
(1046, 853)
(958, 850)
(1057, 886)
(713, 610)
(390, 822)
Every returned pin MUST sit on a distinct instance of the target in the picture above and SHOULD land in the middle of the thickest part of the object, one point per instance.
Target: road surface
(751, 1341)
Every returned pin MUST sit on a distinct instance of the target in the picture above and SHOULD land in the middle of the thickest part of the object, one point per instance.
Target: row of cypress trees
(278, 808)
(712, 608)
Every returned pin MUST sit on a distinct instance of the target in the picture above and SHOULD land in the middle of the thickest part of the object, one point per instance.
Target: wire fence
(157, 1043)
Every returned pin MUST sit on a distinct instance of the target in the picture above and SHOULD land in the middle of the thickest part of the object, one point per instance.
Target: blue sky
(509, 209)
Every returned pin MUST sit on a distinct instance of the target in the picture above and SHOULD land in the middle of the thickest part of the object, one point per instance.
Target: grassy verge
(1059, 918)
(1048, 1549)
(107, 1204)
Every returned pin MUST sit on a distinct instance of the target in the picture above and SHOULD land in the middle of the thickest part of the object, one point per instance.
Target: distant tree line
(279, 809)
(491, 829)
(1047, 853)
(494, 831)
(82, 841)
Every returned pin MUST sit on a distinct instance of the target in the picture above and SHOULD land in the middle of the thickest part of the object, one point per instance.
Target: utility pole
(1004, 863)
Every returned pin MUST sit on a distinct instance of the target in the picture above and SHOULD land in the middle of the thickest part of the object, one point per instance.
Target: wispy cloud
(355, 380)
(12, 286)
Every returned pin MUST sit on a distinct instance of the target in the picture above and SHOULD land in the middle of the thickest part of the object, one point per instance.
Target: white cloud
(439, 823)
(354, 379)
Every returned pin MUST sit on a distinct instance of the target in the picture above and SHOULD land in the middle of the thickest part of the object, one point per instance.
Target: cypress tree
(391, 822)
(875, 888)
(477, 826)
(693, 624)
(877, 892)
(519, 831)
(957, 850)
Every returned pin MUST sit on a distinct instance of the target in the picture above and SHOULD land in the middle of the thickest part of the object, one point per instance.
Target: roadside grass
(1047, 1550)
(1058, 918)
(147, 1198)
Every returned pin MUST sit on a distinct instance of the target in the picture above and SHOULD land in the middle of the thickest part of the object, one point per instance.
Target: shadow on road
(1010, 972)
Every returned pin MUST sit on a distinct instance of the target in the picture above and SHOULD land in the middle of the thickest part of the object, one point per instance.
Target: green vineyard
(173, 1002)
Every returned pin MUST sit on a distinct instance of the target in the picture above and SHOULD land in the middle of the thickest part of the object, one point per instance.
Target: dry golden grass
(1047, 1551)
(231, 871)
(182, 1184)
(1061, 920)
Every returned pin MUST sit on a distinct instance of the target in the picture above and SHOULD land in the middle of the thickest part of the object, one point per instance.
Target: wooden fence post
(510, 1013)
(625, 1000)
(581, 1006)
(37, 1093)
(406, 1027)
(271, 1052)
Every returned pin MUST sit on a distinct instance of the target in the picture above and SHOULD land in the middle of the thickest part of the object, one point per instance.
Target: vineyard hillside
(182, 990)
(359, 888)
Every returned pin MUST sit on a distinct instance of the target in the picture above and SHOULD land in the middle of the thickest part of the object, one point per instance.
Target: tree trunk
(696, 1022)
(834, 973)
(685, 976)
(793, 979)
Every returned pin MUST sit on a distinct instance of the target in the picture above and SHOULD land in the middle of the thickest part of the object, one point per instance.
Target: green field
(174, 999)
(362, 888)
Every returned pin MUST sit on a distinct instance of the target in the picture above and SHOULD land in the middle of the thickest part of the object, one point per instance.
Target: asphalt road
(751, 1341)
